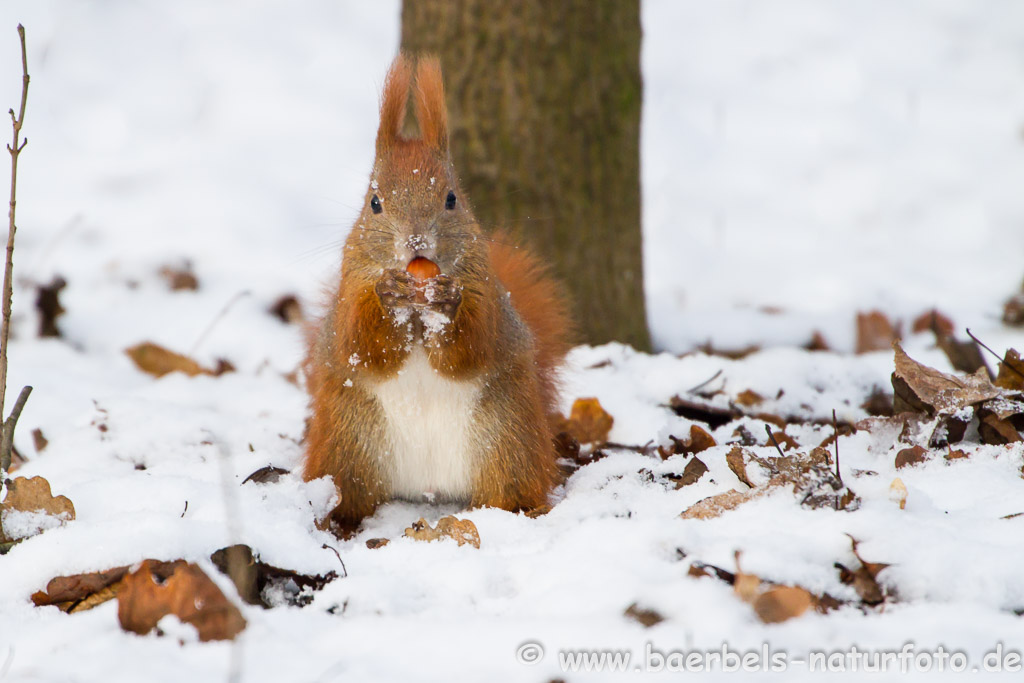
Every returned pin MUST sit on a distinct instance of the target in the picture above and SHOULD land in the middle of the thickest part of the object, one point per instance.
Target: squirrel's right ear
(392, 104)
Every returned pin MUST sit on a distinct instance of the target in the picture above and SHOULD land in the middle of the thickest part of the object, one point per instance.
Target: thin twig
(7, 435)
(1000, 358)
(213, 323)
(338, 555)
(15, 148)
(774, 442)
(706, 382)
(835, 431)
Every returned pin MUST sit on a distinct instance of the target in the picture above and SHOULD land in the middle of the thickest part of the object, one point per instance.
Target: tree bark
(544, 101)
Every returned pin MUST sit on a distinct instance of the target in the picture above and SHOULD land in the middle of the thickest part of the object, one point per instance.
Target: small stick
(185, 510)
(706, 382)
(774, 442)
(217, 318)
(835, 430)
(338, 555)
(998, 357)
(7, 442)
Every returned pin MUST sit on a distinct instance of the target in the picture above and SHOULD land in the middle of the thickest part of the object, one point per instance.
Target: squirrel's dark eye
(449, 201)
(375, 204)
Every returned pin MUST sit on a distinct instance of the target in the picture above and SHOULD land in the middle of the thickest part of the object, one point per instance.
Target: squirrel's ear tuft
(431, 113)
(392, 104)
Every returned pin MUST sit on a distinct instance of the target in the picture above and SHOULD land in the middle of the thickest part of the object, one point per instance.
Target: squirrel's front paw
(396, 289)
(443, 293)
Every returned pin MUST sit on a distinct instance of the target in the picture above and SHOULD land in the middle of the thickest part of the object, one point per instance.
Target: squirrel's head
(413, 206)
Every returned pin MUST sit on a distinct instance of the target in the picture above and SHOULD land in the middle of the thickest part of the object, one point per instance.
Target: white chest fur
(430, 422)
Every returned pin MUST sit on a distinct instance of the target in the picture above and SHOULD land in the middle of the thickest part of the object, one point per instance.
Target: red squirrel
(432, 374)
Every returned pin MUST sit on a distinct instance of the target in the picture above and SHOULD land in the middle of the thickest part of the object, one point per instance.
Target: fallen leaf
(964, 356)
(875, 332)
(780, 603)
(717, 505)
(1011, 372)
(180, 278)
(645, 617)
(462, 530)
(374, 543)
(714, 416)
(817, 343)
(878, 403)
(734, 458)
(187, 593)
(915, 455)
(38, 440)
(49, 307)
(694, 470)
(995, 430)
(265, 585)
(266, 475)
(75, 588)
(157, 361)
(956, 455)
(898, 493)
(1013, 310)
(919, 388)
(588, 422)
(933, 320)
(749, 398)
(287, 309)
(30, 508)
(864, 579)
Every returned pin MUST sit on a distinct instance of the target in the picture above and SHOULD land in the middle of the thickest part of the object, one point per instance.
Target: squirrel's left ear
(430, 108)
(392, 105)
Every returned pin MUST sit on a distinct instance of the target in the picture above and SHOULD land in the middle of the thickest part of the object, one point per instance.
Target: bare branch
(7, 441)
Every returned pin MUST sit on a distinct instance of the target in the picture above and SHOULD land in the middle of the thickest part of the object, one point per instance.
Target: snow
(801, 161)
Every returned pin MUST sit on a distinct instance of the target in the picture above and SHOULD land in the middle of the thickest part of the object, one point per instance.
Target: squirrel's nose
(420, 244)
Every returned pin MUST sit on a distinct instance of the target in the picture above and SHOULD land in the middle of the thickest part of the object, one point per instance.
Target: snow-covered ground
(817, 158)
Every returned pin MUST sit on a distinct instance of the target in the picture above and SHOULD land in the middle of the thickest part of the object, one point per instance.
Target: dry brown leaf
(71, 589)
(898, 493)
(694, 470)
(875, 332)
(646, 617)
(749, 398)
(256, 580)
(32, 496)
(1011, 372)
(817, 342)
(462, 530)
(180, 278)
(919, 388)
(864, 579)
(933, 320)
(49, 307)
(157, 361)
(287, 309)
(39, 441)
(588, 422)
(996, 430)
(1013, 310)
(187, 593)
(374, 543)
(780, 603)
(956, 455)
(915, 455)
(715, 506)
(735, 459)
(700, 441)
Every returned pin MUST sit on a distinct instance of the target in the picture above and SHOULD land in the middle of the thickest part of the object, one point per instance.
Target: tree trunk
(544, 101)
